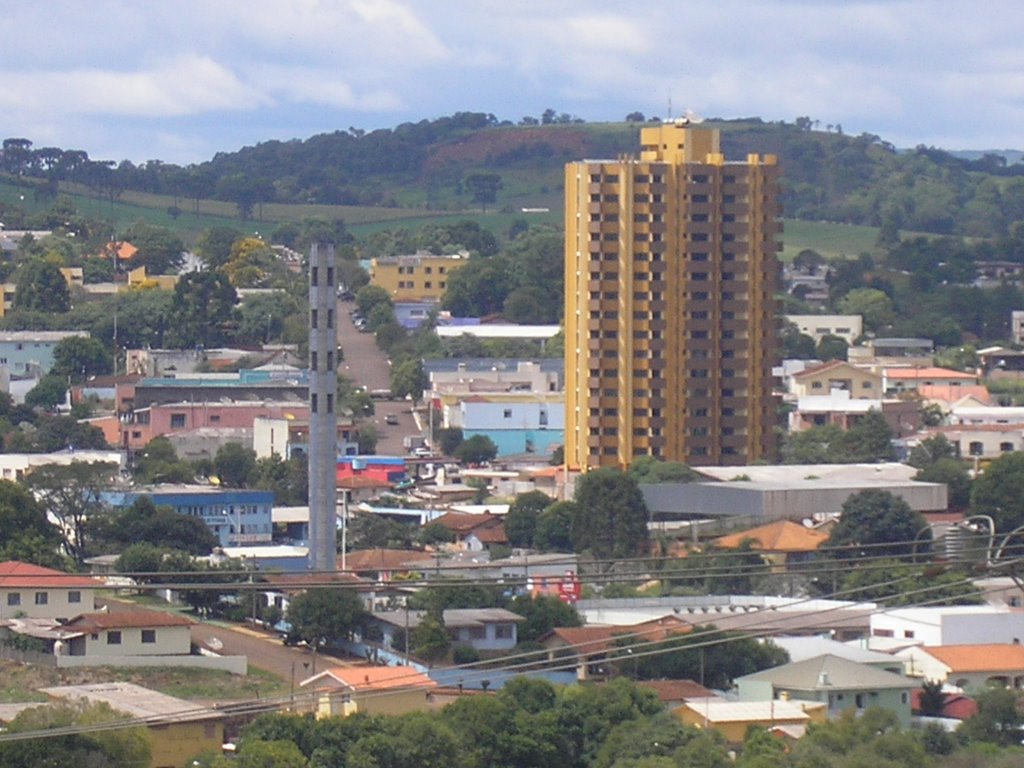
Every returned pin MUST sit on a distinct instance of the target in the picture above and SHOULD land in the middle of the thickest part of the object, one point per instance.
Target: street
(367, 366)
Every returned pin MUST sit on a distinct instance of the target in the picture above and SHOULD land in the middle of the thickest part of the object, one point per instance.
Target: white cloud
(186, 86)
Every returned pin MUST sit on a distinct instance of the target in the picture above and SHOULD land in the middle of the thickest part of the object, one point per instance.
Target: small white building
(967, 667)
(947, 625)
(846, 327)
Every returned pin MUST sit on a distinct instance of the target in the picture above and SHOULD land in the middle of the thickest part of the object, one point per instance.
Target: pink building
(144, 424)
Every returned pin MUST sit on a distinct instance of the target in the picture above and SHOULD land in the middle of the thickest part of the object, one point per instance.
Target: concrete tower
(323, 418)
(671, 271)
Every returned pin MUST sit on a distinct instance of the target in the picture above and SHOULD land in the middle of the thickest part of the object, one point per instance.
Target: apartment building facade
(671, 321)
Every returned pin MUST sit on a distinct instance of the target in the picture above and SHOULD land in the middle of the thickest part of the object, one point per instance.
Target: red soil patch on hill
(481, 146)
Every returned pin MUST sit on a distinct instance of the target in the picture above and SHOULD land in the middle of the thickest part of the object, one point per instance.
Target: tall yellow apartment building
(671, 269)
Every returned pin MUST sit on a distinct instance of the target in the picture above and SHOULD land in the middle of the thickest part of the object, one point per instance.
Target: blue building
(515, 423)
(25, 352)
(236, 516)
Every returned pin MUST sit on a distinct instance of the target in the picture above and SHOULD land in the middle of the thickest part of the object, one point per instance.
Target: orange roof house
(343, 691)
(31, 591)
(968, 667)
(592, 645)
(474, 532)
(781, 543)
(123, 250)
(15, 574)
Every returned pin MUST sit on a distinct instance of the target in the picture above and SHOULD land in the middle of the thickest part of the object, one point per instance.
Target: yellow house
(733, 718)
(837, 375)
(137, 278)
(343, 691)
(421, 276)
(179, 730)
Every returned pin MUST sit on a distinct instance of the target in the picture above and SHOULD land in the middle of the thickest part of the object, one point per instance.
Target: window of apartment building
(595, 198)
(609, 393)
(699, 217)
(313, 319)
(595, 178)
(610, 236)
(313, 403)
(699, 276)
(609, 450)
(610, 198)
(13, 598)
(699, 198)
(330, 402)
(177, 420)
(700, 412)
(699, 373)
(610, 314)
(611, 179)
(149, 636)
(113, 637)
(315, 276)
(701, 314)
(728, 198)
(641, 275)
(74, 596)
(428, 284)
(314, 361)
(641, 178)
(728, 217)
(699, 431)
(698, 256)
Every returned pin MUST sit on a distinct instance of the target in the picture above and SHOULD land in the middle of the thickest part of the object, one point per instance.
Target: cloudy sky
(180, 81)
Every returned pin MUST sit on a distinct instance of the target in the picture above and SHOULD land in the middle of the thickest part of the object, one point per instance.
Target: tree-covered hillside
(444, 164)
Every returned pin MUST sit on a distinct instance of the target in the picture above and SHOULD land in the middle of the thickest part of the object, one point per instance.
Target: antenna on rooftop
(669, 116)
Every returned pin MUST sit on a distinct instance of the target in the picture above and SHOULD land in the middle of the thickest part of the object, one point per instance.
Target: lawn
(20, 682)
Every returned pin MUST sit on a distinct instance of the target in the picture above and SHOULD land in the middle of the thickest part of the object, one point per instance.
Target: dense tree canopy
(999, 492)
(610, 515)
(877, 523)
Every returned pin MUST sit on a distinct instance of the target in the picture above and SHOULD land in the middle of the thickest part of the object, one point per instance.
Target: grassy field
(21, 682)
(522, 189)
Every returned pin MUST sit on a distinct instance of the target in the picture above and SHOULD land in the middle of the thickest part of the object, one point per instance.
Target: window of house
(177, 421)
(42, 598)
(507, 413)
(503, 631)
(477, 633)
(149, 635)
(113, 637)
(14, 598)
(976, 448)
(74, 596)
(1006, 447)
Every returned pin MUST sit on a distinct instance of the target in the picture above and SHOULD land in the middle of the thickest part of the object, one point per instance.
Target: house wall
(490, 640)
(512, 442)
(846, 327)
(338, 704)
(860, 383)
(168, 641)
(57, 605)
(936, 627)
(735, 731)
(23, 352)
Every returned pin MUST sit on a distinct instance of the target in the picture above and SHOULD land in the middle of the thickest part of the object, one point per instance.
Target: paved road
(365, 364)
(264, 649)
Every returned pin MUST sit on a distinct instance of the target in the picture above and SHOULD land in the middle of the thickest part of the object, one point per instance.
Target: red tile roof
(130, 619)
(464, 522)
(814, 369)
(590, 640)
(987, 657)
(675, 690)
(14, 574)
(780, 536)
(362, 560)
(374, 678)
(957, 706)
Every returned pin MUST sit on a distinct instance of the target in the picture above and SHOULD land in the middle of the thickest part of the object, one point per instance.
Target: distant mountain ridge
(827, 175)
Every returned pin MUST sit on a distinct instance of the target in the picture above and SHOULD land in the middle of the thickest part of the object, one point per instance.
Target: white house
(947, 625)
(968, 667)
(34, 592)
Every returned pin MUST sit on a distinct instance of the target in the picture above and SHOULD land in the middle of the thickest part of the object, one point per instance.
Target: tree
(42, 288)
(874, 305)
(999, 492)
(370, 296)
(448, 439)
(483, 187)
(160, 249)
(553, 532)
(429, 640)
(409, 380)
(214, 245)
(71, 495)
(235, 465)
(24, 527)
(320, 616)
(933, 700)
(523, 513)
(869, 440)
(202, 311)
(876, 523)
(610, 515)
(952, 473)
(931, 450)
(160, 526)
(50, 392)
(831, 347)
(100, 747)
(159, 463)
(476, 450)
(998, 719)
(650, 469)
(79, 357)
(542, 614)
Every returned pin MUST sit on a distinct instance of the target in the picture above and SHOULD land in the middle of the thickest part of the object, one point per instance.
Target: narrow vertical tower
(323, 420)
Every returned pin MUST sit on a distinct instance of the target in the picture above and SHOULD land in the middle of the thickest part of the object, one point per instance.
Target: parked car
(391, 419)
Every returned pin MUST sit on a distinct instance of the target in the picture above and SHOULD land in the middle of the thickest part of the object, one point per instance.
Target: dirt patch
(484, 147)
